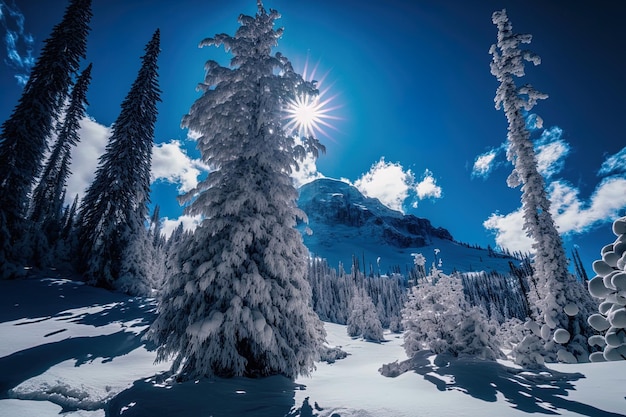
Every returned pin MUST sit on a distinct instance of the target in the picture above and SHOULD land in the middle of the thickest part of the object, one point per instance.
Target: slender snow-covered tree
(46, 208)
(238, 303)
(555, 284)
(24, 135)
(112, 234)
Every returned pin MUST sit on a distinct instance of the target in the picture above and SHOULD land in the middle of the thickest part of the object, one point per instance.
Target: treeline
(502, 296)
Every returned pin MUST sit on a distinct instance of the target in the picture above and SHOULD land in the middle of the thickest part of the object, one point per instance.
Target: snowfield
(73, 349)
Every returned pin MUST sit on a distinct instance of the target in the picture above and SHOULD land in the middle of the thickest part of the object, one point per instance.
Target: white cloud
(551, 151)
(427, 187)
(93, 140)
(189, 223)
(509, 232)
(171, 163)
(308, 170)
(484, 164)
(387, 182)
(607, 200)
(614, 164)
(393, 186)
(570, 213)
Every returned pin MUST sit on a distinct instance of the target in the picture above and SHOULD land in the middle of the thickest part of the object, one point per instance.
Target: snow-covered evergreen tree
(238, 302)
(46, 208)
(24, 135)
(363, 320)
(112, 234)
(610, 287)
(156, 253)
(554, 283)
(438, 317)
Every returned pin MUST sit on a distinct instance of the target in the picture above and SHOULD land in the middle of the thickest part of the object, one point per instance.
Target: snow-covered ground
(70, 348)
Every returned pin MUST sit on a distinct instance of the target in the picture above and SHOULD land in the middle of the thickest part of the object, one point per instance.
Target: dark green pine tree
(46, 211)
(24, 135)
(111, 221)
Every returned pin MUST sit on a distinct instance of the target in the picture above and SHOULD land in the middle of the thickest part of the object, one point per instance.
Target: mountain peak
(344, 223)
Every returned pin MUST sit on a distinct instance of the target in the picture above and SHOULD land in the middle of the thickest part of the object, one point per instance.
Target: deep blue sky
(412, 79)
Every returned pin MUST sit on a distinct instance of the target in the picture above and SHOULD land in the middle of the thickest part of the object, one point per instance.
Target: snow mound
(62, 394)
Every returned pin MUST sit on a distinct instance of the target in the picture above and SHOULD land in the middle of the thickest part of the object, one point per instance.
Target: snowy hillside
(345, 223)
(77, 350)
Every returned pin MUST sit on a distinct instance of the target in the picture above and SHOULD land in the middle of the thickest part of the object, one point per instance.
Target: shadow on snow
(41, 299)
(63, 301)
(264, 397)
(538, 391)
(28, 363)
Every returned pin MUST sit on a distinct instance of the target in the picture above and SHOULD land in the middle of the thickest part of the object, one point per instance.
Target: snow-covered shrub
(363, 320)
(332, 354)
(438, 317)
(609, 285)
(509, 333)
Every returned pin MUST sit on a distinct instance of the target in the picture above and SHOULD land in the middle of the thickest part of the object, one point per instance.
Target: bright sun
(309, 115)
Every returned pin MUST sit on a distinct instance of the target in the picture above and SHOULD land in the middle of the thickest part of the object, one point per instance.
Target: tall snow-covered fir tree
(46, 208)
(111, 222)
(559, 291)
(24, 135)
(238, 302)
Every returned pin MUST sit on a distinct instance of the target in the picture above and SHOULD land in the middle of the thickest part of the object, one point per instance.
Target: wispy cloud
(572, 214)
(614, 164)
(551, 151)
(18, 43)
(484, 163)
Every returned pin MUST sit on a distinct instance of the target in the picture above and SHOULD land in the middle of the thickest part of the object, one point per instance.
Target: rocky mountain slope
(346, 226)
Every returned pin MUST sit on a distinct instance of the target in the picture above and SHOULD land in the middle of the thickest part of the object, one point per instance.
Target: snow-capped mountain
(344, 224)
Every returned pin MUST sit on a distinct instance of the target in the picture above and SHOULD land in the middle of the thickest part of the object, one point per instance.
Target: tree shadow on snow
(158, 396)
(537, 391)
(28, 363)
(61, 301)
(137, 310)
(50, 297)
